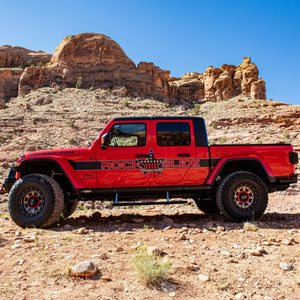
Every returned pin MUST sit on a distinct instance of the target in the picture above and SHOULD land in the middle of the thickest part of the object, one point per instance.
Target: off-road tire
(69, 208)
(209, 207)
(242, 196)
(35, 200)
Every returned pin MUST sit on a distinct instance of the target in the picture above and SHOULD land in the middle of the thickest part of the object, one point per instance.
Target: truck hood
(55, 152)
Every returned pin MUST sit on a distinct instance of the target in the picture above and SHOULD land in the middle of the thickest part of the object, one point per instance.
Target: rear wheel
(35, 200)
(242, 196)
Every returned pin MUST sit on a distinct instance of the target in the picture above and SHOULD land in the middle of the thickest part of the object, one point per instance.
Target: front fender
(61, 163)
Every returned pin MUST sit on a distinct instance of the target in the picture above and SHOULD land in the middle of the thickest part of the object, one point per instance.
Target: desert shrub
(250, 226)
(150, 268)
(79, 83)
(196, 109)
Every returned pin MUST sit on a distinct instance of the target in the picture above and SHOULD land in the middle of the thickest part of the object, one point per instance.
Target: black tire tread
(52, 186)
(224, 186)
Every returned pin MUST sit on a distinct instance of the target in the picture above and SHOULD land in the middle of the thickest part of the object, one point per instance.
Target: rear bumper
(287, 179)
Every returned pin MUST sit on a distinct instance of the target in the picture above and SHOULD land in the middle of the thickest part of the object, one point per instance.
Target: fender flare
(62, 164)
(222, 163)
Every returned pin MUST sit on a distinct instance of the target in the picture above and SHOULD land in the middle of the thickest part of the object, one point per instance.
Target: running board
(132, 203)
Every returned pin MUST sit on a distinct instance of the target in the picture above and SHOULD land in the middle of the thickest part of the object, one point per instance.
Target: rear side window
(128, 135)
(173, 134)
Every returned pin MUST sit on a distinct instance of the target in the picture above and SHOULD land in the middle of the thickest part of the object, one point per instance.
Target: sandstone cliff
(90, 60)
(217, 84)
(18, 57)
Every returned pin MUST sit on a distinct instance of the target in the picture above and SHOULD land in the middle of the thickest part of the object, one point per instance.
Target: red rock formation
(12, 57)
(95, 60)
(217, 84)
(9, 81)
(98, 61)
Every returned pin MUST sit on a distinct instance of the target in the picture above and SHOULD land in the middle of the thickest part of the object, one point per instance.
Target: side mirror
(105, 140)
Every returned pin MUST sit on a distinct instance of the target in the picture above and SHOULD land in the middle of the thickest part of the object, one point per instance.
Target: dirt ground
(238, 263)
(211, 258)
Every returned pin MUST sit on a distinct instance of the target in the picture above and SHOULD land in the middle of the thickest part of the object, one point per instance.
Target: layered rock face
(18, 57)
(217, 84)
(90, 60)
(94, 60)
(12, 62)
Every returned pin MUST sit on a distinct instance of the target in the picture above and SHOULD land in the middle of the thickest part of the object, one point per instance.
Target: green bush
(150, 268)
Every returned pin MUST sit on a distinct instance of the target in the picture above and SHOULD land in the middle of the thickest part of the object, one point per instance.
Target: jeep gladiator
(149, 158)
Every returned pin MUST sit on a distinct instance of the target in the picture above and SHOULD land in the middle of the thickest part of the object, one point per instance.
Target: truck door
(122, 163)
(173, 151)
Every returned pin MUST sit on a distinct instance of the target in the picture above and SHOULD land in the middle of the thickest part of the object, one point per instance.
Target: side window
(173, 134)
(128, 135)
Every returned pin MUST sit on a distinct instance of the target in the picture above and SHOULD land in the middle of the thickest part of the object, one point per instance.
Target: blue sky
(180, 36)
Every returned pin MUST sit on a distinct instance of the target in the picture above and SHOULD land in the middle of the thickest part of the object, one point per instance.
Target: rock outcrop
(217, 84)
(9, 82)
(94, 60)
(18, 57)
(90, 60)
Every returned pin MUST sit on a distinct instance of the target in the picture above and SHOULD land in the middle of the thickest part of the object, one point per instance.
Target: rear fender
(225, 162)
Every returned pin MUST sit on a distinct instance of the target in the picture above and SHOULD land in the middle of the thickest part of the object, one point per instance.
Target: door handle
(183, 155)
(142, 155)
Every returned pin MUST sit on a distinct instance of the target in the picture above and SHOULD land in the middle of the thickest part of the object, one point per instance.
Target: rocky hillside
(51, 118)
(90, 60)
(210, 257)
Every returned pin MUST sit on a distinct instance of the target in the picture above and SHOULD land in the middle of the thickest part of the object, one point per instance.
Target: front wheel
(35, 200)
(242, 196)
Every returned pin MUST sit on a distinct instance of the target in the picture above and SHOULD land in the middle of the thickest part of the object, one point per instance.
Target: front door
(122, 163)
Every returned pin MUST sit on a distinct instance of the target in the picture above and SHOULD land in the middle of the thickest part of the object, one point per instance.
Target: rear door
(173, 151)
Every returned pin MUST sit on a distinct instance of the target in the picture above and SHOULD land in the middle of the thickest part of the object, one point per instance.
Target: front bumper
(10, 180)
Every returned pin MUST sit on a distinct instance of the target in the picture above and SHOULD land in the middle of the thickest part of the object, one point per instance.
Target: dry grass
(151, 269)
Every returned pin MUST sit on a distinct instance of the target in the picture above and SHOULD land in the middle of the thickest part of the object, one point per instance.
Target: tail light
(294, 157)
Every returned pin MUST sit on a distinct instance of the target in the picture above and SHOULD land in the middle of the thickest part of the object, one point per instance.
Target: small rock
(21, 262)
(120, 249)
(203, 278)
(103, 256)
(287, 242)
(168, 220)
(15, 246)
(167, 286)
(221, 228)
(183, 237)
(29, 239)
(172, 294)
(138, 220)
(152, 250)
(183, 229)
(239, 296)
(226, 253)
(5, 164)
(84, 269)
(82, 230)
(67, 227)
(18, 233)
(2, 104)
(286, 267)
(168, 228)
(260, 249)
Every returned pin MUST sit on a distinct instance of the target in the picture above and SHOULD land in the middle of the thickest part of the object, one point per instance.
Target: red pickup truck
(149, 158)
